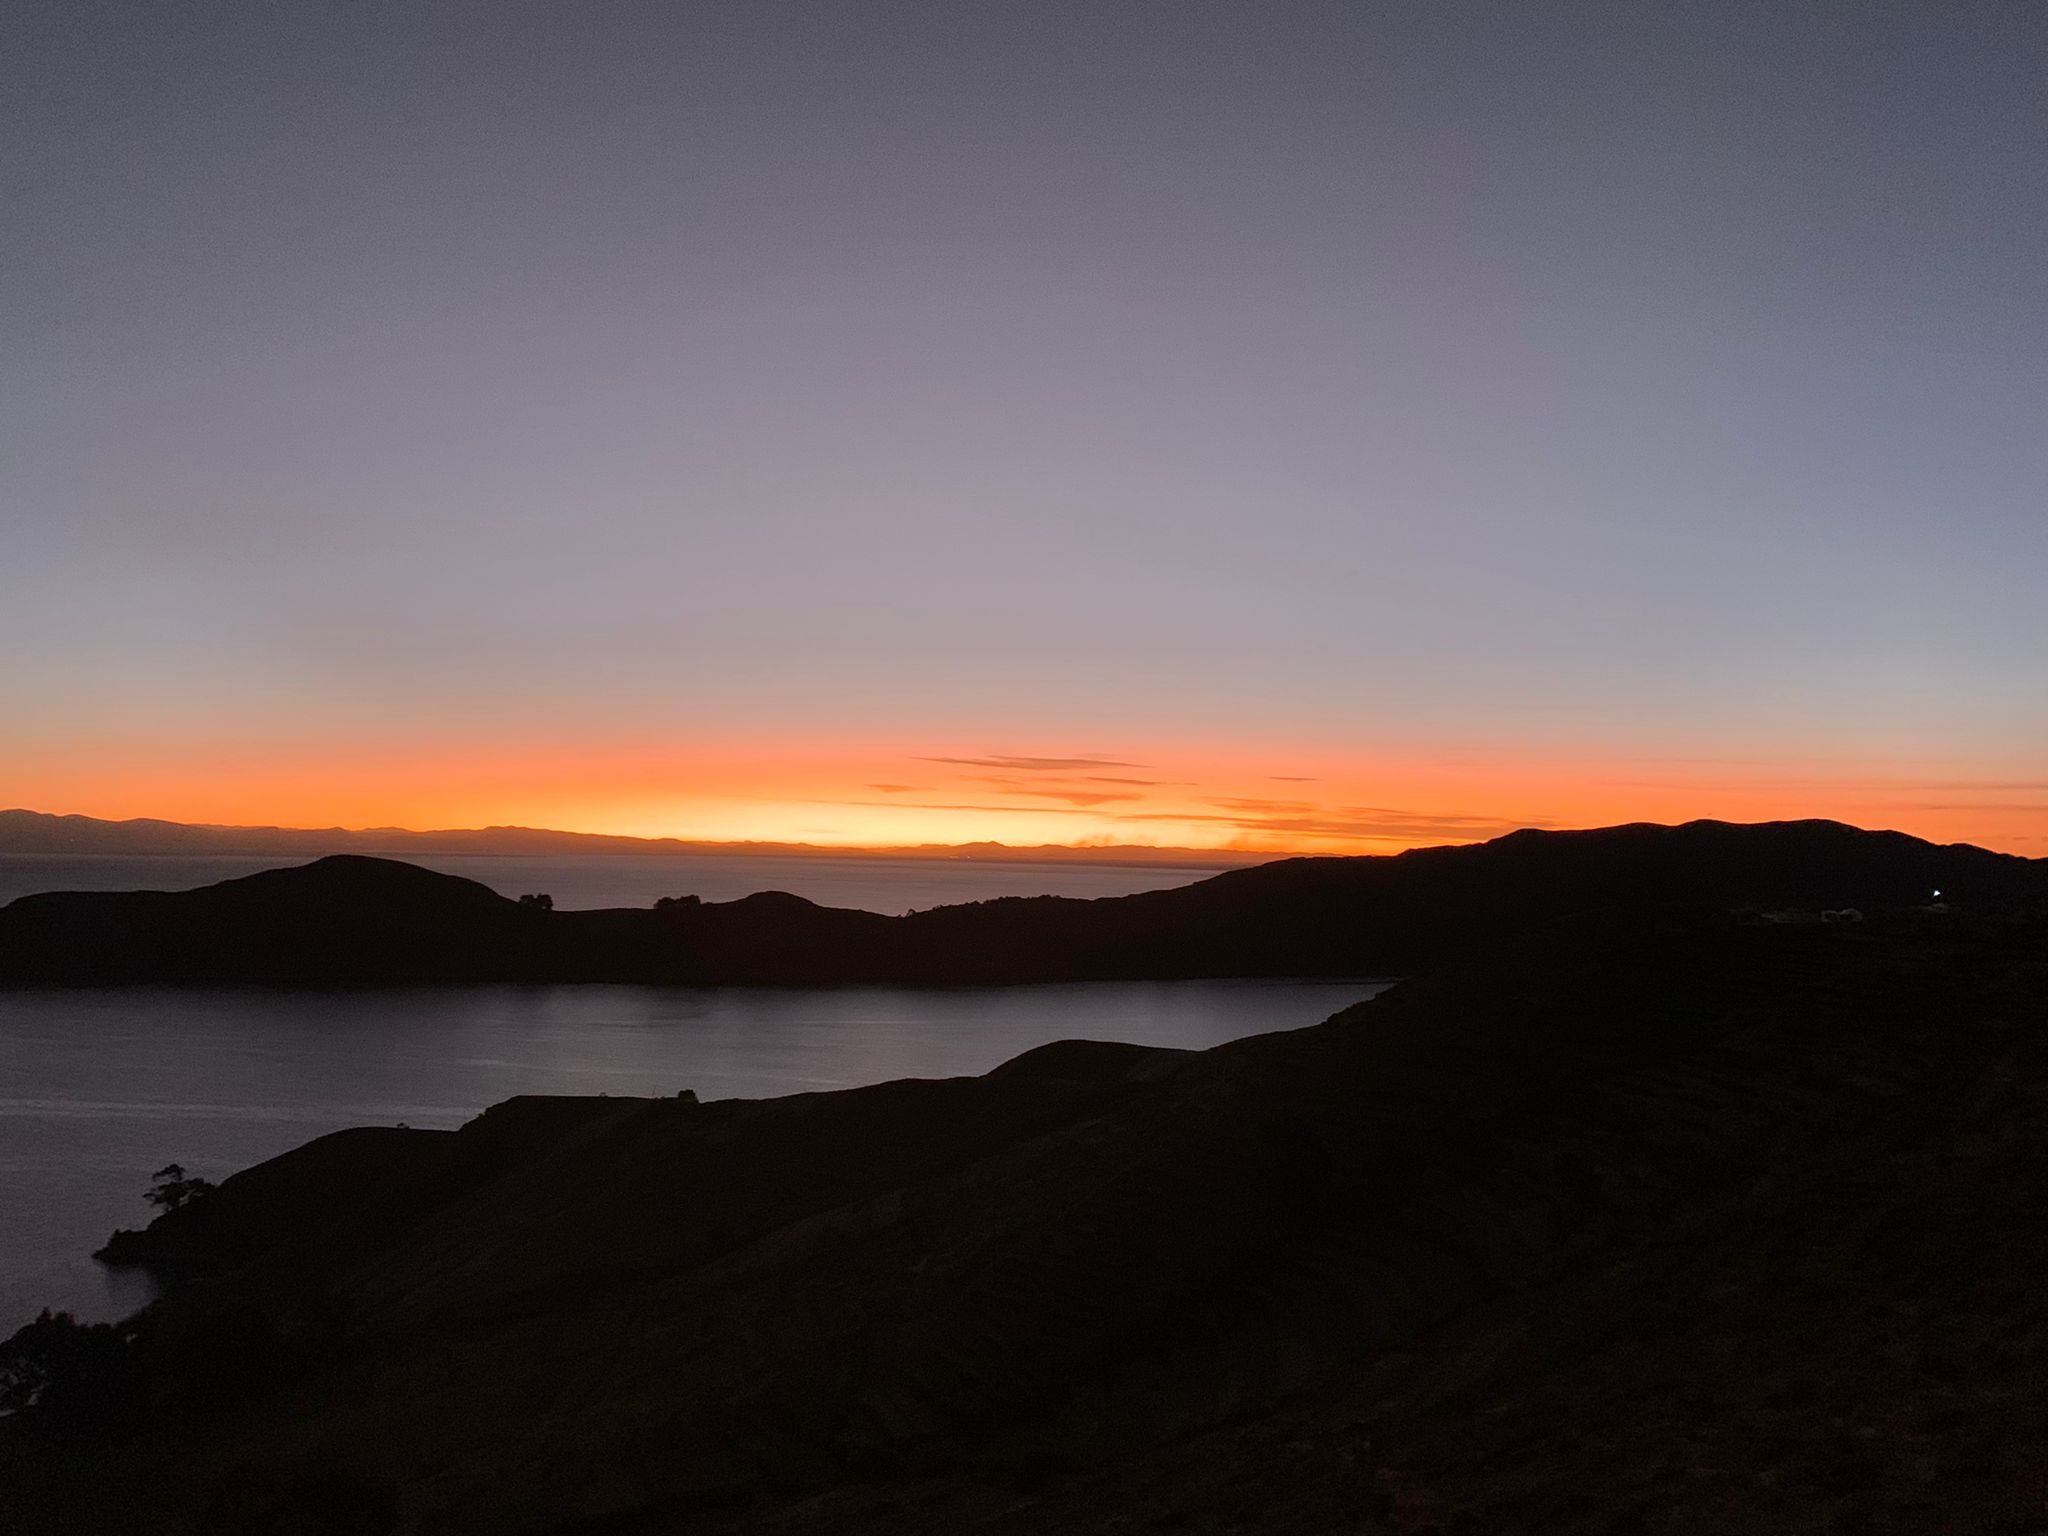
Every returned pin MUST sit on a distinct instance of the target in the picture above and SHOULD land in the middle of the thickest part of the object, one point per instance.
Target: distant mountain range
(38, 832)
(357, 920)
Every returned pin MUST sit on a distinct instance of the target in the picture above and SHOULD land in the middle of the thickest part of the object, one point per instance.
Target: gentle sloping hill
(354, 919)
(1402, 912)
(342, 918)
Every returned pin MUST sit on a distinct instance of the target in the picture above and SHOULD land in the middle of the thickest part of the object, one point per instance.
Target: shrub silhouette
(169, 1188)
(540, 901)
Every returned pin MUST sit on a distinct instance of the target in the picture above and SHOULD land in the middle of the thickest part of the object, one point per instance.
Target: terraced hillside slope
(1702, 1228)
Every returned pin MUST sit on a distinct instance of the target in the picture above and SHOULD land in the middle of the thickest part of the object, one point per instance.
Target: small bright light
(1937, 895)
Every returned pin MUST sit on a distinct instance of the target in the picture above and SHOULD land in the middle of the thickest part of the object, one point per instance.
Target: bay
(98, 1088)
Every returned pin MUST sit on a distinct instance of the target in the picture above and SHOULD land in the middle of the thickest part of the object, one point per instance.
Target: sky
(1277, 426)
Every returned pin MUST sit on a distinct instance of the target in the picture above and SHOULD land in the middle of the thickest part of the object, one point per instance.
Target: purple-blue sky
(673, 417)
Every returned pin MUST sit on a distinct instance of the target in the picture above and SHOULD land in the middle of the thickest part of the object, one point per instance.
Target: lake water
(874, 883)
(99, 1088)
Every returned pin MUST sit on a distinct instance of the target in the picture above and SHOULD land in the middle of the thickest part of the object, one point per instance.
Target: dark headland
(349, 919)
(1649, 1203)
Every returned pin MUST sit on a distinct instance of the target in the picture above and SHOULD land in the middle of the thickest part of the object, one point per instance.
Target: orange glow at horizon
(1312, 800)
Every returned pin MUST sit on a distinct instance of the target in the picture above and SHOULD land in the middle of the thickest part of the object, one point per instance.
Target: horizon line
(1106, 853)
(1126, 854)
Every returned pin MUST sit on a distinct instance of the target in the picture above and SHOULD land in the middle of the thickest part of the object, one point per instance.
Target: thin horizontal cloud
(1855, 784)
(1251, 817)
(2009, 807)
(1073, 791)
(901, 789)
(1076, 797)
(1986, 786)
(939, 805)
(1361, 823)
(1292, 778)
(1034, 764)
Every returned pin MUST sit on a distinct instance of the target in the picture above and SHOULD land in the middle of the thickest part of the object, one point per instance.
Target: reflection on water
(100, 1088)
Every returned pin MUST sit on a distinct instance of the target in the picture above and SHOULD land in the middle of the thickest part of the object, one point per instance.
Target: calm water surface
(100, 1088)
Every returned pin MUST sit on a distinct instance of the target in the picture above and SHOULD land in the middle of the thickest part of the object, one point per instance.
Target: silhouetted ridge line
(354, 919)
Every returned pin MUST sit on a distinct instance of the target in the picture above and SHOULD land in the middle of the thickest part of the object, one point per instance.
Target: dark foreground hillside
(355, 920)
(1702, 1230)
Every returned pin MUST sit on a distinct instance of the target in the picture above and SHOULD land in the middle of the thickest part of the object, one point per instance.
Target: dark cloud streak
(1034, 764)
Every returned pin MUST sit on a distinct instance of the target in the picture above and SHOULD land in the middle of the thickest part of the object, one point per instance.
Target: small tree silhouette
(539, 901)
(169, 1188)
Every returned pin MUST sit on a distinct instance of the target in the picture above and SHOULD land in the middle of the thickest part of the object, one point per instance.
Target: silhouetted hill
(1707, 1229)
(342, 918)
(354, 919)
